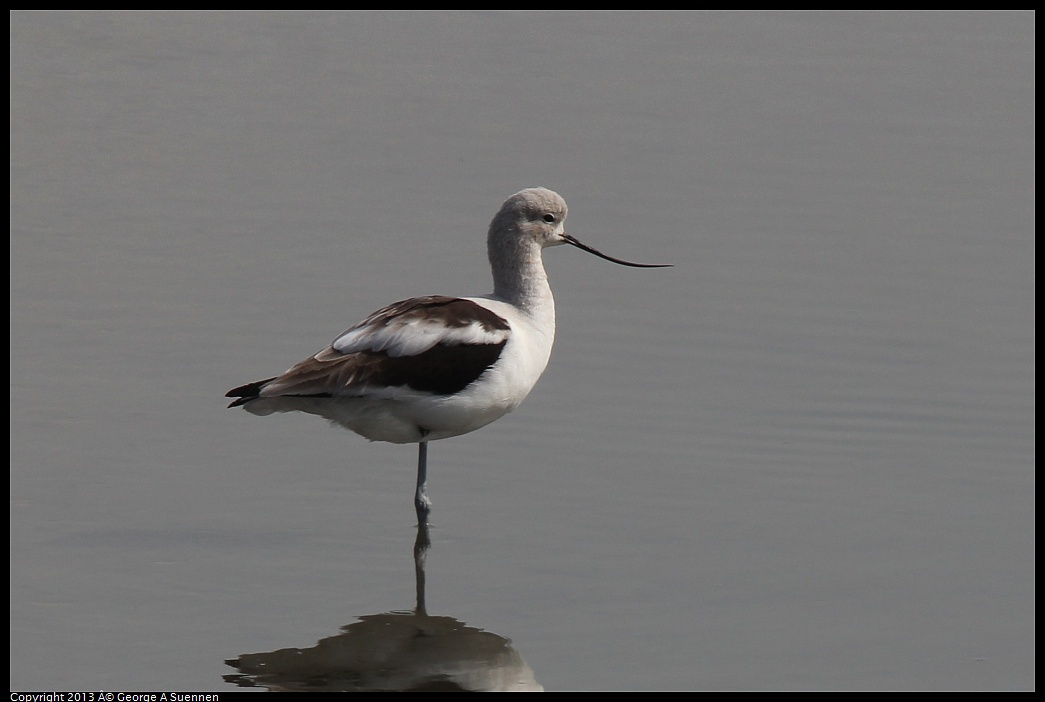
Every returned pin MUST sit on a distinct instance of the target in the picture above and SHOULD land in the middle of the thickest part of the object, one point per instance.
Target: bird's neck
(519, 279)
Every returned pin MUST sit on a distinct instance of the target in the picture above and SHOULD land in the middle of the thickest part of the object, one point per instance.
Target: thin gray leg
(421, 502)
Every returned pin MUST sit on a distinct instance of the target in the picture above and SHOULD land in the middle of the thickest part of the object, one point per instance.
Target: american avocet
(433, 367)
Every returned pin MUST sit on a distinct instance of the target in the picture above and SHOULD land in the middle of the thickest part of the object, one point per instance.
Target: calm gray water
(801, 459)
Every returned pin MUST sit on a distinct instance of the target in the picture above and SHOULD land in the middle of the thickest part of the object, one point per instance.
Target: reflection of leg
(421, 546)
(421, 502)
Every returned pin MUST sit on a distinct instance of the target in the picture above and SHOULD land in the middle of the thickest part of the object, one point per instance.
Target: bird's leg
(421, 502)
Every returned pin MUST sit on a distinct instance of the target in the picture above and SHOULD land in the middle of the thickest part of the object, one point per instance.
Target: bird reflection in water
(405, 650)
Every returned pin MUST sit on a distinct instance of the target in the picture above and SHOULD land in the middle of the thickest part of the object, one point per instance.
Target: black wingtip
(248, 392)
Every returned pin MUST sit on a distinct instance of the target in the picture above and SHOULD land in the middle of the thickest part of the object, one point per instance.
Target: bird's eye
(549, 218)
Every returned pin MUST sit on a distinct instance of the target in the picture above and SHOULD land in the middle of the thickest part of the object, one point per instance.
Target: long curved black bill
(584, 247)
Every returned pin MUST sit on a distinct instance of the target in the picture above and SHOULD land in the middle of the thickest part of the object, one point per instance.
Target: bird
(436, 367)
